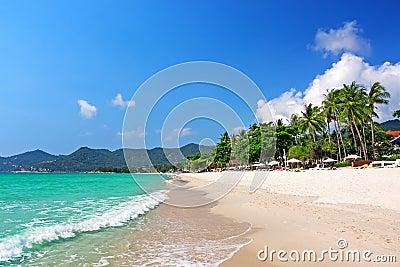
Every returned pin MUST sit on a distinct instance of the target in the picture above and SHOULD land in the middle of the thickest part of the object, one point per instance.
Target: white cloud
(349, 68)
(344, 39)
(264, 112)
(133, 133)
(119, 101)
(183, 131)
(238, 129)
(87, 111)
(286, 104)
(176, 133)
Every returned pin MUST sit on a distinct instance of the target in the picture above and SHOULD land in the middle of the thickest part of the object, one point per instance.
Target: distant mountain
(393, 125)
(88, 159)
(160, 156)
(83, 159)
(25, 159)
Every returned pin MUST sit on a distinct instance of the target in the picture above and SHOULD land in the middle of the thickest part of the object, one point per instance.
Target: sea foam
(13, 247)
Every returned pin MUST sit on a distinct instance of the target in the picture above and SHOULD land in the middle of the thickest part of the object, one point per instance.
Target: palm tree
(354, 103)
(311, 120)
(396, 114)
(330, 109)
(377, 95)
(223, 153)
(337, 105)
(240, 147)
(294, 119)
(294, 122)
(328, 112)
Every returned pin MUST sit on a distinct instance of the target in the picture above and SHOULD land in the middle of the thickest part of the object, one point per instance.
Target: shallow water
(106, 219)
(172, 236)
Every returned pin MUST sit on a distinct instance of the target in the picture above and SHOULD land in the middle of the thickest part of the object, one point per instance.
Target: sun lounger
(361, 167)
(394, 165)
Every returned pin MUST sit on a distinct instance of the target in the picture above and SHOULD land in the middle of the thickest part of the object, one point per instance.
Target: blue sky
(55, 53)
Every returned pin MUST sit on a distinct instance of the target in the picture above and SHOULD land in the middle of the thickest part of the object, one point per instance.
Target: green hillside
(25, 159)
(161, 156)
(393, 125)
(84, 159)
(87, 159)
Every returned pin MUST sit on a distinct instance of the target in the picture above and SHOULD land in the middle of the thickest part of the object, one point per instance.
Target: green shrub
(343, 164)
(389, 158)
(395, 157)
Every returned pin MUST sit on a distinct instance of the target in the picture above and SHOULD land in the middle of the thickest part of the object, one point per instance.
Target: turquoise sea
(107, 220)
(70, 219)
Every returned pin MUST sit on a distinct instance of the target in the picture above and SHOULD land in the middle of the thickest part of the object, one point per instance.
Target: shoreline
(172, 236)
(285, 216)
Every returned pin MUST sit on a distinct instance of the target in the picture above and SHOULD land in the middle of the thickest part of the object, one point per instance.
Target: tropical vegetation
(343, 124)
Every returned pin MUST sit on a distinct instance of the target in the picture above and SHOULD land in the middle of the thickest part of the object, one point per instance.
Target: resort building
(393, 133)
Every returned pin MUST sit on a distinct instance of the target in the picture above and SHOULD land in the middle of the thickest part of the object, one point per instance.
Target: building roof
(396, 140)
(393, 133)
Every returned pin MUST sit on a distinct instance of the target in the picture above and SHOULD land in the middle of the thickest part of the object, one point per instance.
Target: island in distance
(88, 159)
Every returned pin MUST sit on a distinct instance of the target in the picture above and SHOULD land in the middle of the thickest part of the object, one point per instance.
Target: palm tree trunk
(359, 136)
(353, 134)
(372, 136)
(313, 136)
(365, 142)
(329, 138)
(340, 133)
(338, 142)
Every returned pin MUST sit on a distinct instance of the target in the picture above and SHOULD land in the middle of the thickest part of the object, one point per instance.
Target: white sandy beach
(312, 210)
(376, 187)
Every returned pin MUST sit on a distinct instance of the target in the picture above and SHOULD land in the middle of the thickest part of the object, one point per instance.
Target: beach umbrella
(258, 164)
(293, 160)
(351, 157)
(329, 160)
(272, 163)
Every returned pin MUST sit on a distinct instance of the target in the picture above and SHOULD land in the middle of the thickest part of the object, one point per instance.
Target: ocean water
(43, 214)
(106, 220)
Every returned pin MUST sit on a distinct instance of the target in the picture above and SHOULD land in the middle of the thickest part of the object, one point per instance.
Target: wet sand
(174, 236)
